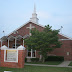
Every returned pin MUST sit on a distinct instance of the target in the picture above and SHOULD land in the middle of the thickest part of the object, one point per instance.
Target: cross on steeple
(30, 27)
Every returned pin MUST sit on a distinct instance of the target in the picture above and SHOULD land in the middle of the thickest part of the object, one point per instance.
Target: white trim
(21, 47)
(68, 53)
(23, 42)
(30, 57)
(65, 36)
(40, 57)
(64, 39)
(35, 53)
(8, 43)
(31, 53)
(4, 55)
(4, 47)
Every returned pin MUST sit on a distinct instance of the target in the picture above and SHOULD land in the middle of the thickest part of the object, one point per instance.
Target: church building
(15, 39)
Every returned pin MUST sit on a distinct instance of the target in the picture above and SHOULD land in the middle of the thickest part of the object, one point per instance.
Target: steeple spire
(34, 8)
(34, 16)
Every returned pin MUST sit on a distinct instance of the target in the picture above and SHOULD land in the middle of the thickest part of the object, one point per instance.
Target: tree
(44, 41)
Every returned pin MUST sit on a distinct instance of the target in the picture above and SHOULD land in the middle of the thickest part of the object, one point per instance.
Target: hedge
(25, 59)
(54, 58)
(34, 59)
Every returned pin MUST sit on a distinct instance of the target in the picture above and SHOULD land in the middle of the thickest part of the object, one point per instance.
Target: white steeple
(34, 8)
(34, 16)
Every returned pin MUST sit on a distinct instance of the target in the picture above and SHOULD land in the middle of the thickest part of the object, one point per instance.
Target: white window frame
(31, 54)
(68, 53)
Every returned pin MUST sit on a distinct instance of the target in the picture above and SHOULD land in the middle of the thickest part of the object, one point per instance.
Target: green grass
(36, 69)
(70, 64)
(48, 63)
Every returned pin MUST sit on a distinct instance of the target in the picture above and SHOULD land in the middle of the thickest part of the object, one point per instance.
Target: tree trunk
(43, 60)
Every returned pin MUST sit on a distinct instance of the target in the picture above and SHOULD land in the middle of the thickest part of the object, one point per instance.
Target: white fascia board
(65, 36)
(0, 40)
(63, 39)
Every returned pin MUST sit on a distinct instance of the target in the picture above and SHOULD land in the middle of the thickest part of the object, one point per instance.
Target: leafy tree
(44, 41)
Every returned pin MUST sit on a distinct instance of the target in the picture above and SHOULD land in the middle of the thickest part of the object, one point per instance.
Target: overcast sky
(56, 13)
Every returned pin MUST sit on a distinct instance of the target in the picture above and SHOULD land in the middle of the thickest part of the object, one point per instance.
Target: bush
(25, 59)
(34, 59)
(54, 58)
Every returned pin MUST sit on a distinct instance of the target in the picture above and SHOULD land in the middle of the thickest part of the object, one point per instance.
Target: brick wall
(20, 64)
(66, 47)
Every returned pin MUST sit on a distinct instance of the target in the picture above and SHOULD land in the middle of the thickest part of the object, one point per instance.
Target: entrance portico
(15, 42)
(12, 40)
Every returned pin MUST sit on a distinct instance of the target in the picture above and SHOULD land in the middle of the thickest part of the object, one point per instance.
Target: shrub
(25, 59)
(54, 58)
(34, 59)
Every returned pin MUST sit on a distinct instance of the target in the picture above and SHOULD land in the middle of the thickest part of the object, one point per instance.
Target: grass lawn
(36, 69)
(48, 63)
(70, 64)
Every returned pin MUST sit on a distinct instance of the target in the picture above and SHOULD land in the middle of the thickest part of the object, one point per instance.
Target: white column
(35, 53)
(31, 53)
(1, 43)
(23, 42)
(15, 43)
(40, 57)
(8, 43)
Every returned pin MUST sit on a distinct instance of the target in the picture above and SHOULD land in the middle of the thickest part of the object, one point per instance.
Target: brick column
(21, 56)
(11, 64)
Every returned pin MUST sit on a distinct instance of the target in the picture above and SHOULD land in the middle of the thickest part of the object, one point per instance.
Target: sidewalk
(63, 64)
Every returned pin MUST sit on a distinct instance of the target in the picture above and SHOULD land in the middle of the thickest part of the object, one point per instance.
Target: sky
(56, 13)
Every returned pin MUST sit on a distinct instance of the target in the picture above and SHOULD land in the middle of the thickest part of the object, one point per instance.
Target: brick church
(15, 39)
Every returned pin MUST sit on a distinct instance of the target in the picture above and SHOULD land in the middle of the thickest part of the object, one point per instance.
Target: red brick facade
(66, 44)
(66, 47)
(19, 64)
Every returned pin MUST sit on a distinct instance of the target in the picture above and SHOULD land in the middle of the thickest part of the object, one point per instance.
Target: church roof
(61, 36)
(24, 25)
(33, 20)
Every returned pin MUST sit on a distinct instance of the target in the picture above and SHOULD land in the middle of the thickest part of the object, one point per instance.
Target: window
(31, 53)
(16, 45)
(67, 53)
